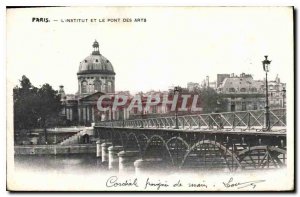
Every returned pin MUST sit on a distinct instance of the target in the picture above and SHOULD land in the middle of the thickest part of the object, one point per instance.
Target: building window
(243, 89)
(97, 86)
(271, 87)
(255, 106)
(231, 90)
(83, 87)
(109, 87)
(96, 60)
(154, 110)
(244, 108)
(232, 107)
(254, 90)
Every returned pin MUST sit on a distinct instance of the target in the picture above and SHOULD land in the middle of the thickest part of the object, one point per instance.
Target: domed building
(95, 74)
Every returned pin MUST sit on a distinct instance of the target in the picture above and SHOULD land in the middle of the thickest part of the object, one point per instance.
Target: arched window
(97, 86)
(254, 90)
(243, 89)
(83, 87)
(109, 86)
(231, 90)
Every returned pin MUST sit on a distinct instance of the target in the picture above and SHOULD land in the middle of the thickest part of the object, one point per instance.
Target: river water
(85, 172)
(62, 163)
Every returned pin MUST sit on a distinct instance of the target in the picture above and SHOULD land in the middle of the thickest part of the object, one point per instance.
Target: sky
(173, 47)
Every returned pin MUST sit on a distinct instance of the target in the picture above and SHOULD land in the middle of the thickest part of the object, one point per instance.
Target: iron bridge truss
(218, 141)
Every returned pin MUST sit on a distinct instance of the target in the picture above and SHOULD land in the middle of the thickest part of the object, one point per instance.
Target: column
(88, 113)
(104, 149)
(113, 158)
(79, 114)
(67, 113)
(127, 159)
(71, 114)
(83, 115)
(98, 148)
(93, 114)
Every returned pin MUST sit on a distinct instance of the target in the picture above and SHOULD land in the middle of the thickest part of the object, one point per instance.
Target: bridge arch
(212, 154)
(177, 147)
(117, 139)
(132, 143)
(142, 140)
(262, 156)
(157, 148)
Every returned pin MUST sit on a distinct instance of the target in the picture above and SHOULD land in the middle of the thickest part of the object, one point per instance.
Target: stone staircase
(77, 138)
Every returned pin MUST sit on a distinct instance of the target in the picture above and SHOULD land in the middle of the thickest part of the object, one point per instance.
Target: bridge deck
(254, 132)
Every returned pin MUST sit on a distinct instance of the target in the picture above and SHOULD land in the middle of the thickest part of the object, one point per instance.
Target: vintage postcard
(150, 98)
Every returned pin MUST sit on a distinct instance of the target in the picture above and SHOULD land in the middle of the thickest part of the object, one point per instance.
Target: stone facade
(96, 77)
(244, 93)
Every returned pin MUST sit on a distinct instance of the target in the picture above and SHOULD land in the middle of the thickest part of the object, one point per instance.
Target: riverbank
(54, 149)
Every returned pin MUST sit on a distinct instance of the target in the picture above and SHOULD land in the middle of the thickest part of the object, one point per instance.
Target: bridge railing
(253, 119)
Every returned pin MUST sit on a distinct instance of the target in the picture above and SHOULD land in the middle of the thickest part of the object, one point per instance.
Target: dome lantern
(96, 48)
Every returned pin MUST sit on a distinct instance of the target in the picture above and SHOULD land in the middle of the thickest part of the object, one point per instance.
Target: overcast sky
(173, 47)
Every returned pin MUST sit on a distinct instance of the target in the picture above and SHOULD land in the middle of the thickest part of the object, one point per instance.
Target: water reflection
(65, 163)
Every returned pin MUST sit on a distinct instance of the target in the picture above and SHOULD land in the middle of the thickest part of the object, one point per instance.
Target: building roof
(95, 63)
(238, 83)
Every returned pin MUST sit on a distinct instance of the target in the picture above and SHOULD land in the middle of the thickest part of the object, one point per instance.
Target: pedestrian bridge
(229, 140)
(227, 121)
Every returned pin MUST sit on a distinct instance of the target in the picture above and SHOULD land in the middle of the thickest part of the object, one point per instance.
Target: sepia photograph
(150, 98)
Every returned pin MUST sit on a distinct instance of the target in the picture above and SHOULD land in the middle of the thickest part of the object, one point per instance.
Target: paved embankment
(54, 149)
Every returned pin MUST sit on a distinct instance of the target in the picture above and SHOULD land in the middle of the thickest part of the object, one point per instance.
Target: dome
(96, 63)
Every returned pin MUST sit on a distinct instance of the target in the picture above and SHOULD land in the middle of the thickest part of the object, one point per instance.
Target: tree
(24, 98)
(49, 106)
(35, 107)
(211, 101)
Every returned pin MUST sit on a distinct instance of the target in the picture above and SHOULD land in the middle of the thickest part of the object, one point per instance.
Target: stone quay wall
(54, 149)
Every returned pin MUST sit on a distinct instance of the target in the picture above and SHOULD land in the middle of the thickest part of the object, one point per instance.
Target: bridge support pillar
(98, 148)
(104, 151)
(146, 166)
(126, 160)
(113, 161)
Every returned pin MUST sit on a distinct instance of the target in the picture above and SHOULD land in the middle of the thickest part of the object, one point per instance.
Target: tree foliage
(209, 99)
(35, 107)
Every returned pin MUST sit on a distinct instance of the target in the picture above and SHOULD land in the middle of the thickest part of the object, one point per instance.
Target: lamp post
(283, 97)
(266, 66)
(142, 113)
(176, 92)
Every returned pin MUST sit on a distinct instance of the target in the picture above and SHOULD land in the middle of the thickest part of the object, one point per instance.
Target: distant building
(192, 86)
(96, 77)
(151, 111)
(221, 77)
(277, 93)
(207, 83)
(244, 93)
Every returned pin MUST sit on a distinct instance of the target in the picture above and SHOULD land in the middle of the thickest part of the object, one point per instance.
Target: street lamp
(266, 66)
(283, 97)
(142, 113)
(176, 92)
